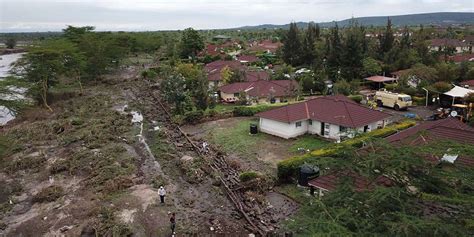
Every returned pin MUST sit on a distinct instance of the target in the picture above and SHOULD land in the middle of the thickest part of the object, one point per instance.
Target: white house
(334, 117)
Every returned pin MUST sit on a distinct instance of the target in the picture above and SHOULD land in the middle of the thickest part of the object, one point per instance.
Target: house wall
(226, 96)
(315, 128)
(281, 129)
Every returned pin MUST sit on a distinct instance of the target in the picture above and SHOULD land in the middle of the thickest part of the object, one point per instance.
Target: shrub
(193, 116)
(251, 110)
(249, 175)
(49, 194)
(289, 167)
(419, 100)
(356, 98)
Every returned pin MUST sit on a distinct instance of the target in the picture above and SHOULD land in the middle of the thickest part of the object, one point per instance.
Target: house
(260, 90)
(267, 46)
(459, 58)
(442, 44)
(334, 117)
(412, 80)
(432, 131)
(248, 59)
(329, 182)
(214, 69)
(467, 84)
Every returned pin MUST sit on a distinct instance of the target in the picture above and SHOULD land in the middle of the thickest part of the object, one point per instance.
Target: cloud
(41, 15)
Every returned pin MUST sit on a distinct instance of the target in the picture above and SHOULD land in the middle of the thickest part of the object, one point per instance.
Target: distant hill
(438, 18)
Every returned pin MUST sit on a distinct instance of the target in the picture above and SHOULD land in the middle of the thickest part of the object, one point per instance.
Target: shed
(458, 92)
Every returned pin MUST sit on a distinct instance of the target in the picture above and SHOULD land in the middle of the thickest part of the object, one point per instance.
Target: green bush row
(249, 175)
(289, 167)
(251, 110)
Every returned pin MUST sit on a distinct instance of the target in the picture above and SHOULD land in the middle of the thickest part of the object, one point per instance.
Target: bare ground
(86, 209)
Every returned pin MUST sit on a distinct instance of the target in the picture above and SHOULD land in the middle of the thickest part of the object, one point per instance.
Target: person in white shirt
(162, 193)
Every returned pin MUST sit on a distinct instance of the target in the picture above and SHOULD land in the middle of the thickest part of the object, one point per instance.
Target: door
(322, 129)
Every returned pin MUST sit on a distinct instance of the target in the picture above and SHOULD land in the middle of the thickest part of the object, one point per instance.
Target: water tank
(253, 129)
(307, 172)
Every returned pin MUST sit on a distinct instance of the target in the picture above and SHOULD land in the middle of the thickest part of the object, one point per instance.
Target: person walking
(173, 223)
(162, 193)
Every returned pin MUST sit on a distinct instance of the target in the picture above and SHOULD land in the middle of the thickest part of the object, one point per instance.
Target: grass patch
(308, 142)
(237, 139)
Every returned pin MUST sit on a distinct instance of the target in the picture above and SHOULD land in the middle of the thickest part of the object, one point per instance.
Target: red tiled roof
(450, 128)
(248, 58)
(448, 42)
(256, 75)
(261, 88)
(338, 110)
(459, 58)
(467, 83)
(380, 79)
(265, 45)
(399, 73)
(331, 181)
(220, 64)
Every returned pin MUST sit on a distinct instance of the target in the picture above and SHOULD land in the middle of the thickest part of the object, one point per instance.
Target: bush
(251, 110)
(289, 167)
(49, 194)
(356, 98)
(419, 100)
(193, 116)
(249, 175)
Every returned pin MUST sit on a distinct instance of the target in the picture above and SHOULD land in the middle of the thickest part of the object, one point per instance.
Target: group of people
(162, 193)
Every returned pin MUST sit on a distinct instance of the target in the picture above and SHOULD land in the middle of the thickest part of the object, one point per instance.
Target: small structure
(432, 131)
(379, 80)
(458, 93)
(334, 117)
(329, 182)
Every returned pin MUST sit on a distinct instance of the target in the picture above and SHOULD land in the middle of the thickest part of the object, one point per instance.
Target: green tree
(10, 42)
(447, 72)
(174, 89)
(308, 48)
(387, 39)
(342, 87)
(353, 52)
(334, 52)
(41, 67)
(75, 34)
(371, 67)
(191, 43)
(291, 50)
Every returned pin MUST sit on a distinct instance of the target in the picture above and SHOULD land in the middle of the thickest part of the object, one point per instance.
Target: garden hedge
(289, 167)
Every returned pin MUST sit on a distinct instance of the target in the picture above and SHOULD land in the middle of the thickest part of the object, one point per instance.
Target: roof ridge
(349, 114)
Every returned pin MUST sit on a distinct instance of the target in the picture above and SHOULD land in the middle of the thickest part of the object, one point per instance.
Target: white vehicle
(393, 100)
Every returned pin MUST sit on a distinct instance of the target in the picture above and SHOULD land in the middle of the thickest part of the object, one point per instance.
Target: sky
(150, 15)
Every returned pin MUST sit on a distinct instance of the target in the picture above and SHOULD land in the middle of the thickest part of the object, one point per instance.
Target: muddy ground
(86, 170)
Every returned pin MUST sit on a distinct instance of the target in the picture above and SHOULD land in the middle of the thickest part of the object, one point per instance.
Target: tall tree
(353, 53)
(191, 43)
(387, 39)
(10, 42)
(308, 49)
(334, 54)
(42, 66)
(291, 50)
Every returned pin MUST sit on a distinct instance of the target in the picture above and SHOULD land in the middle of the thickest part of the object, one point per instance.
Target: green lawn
(237, 139)
(311, 142)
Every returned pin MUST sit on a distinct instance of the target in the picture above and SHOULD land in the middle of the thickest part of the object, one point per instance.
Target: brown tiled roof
(450, 128)
(468, 83)
(331, 181)
(338, 110)
(380, 79)
(248, 58)
(220, 64)
(459, 58)
(448, 42)
(261, 88)
(256, 75)
(400, 72)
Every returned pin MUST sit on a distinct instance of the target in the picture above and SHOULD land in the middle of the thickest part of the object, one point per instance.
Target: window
(236, 94)
(310, 122)
(342, 129)
(326, 126)
(298, 124)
